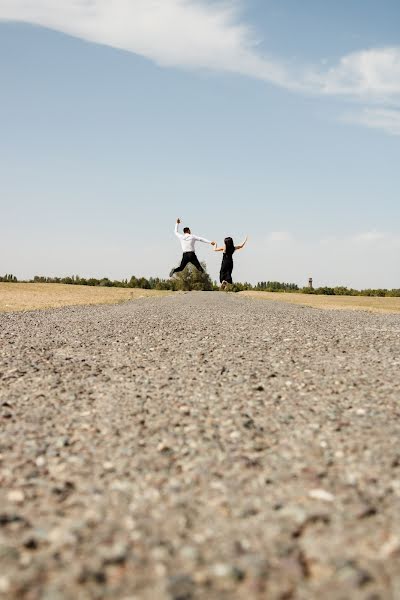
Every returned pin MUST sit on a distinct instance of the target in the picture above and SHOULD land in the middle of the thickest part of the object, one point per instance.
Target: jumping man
(188, 242)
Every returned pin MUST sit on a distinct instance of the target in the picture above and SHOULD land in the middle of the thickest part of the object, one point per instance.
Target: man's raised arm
(179, 235)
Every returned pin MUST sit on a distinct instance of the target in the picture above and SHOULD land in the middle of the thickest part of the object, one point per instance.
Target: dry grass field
(381, 305)
(32, 296)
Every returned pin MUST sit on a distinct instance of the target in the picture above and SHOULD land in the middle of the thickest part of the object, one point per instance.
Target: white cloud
(368, 74)
(385, 119)
(201, 34)
(197, 33)
(185, 33)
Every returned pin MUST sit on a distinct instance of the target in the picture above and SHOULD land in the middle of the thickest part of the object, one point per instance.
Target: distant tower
(310, 285)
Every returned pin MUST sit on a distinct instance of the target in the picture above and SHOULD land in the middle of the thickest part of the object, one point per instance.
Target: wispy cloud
(385, 119)
(182, 33)
(372, 74)
(200, 34)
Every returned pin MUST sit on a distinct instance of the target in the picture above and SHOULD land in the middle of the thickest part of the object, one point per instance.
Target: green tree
(192, 279)
(9, 278)
(143, 283)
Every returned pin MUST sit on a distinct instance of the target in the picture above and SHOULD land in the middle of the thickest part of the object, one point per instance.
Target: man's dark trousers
(189, 257)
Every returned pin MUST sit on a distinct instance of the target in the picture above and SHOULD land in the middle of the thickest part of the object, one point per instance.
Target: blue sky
(280, 119)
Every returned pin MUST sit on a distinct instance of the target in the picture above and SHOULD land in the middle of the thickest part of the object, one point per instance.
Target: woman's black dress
(225, 273)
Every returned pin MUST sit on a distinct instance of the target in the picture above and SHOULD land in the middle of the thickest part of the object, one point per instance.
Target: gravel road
(199, 446)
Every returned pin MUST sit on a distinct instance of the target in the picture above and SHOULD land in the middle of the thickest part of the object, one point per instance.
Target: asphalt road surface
(199, 446)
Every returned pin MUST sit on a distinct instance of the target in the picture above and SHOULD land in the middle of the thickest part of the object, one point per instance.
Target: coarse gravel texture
(199, 446)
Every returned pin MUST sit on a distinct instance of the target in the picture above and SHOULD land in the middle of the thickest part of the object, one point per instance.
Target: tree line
(191, 279)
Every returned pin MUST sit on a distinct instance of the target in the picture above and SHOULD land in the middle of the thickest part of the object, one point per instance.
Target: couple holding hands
(188, 241)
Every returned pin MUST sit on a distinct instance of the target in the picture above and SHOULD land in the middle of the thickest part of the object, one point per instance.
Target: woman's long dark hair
(229, 245)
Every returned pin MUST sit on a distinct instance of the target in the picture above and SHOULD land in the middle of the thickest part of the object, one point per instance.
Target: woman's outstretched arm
(216, 249)
(242, 244)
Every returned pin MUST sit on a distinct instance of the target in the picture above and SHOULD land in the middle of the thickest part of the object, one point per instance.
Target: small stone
(222, 570)
(390, 547)
(319, 494)
(61, 537)
(351, 479)
(40, 461)
(62, 442)
(227, 571)
(16, 496)
(395, 486)
(120, 486)
(116, 555)
(366, 512)
(92, 517)
(25, 559)
(295, 513)
(164, 448)
(4, 584)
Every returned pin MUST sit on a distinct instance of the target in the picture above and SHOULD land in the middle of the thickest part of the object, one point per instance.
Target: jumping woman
(229, 248)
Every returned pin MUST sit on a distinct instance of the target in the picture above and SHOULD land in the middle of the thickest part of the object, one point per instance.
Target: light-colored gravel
(199, 446)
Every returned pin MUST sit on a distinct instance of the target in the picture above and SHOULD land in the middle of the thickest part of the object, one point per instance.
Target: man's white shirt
(188, 240)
